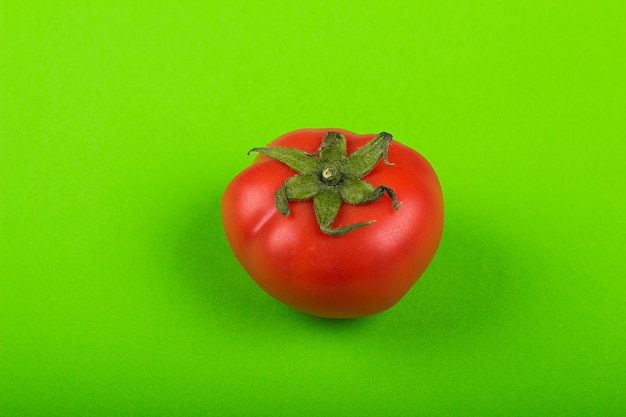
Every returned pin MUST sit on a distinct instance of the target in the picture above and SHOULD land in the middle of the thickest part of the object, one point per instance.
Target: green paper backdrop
(122, 122)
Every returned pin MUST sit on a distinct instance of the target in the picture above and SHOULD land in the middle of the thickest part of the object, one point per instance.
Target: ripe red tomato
(297, 260)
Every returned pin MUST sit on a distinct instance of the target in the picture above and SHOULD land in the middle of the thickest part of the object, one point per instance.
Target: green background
(121, 124)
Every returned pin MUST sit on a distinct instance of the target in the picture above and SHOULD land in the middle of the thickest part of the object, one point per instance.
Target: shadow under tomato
(476, 283)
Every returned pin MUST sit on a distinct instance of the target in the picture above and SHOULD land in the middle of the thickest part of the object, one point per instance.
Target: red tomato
(361, 272)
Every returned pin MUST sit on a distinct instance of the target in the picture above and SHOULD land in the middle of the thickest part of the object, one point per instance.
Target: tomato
(330, 230)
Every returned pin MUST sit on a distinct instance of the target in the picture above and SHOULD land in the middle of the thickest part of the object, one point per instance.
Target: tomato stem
(331, 177)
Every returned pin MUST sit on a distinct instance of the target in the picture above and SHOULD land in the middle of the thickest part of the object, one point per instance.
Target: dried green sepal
(330, 177)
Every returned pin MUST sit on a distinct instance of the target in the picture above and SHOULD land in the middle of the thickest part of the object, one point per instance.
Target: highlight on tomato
(334, 223)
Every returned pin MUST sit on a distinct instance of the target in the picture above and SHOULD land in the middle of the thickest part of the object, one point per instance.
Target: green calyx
(330, 177)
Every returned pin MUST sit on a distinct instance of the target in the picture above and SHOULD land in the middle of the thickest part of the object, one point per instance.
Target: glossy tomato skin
(363, 272)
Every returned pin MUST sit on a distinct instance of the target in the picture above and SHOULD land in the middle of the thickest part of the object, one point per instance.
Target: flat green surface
(120, 125)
